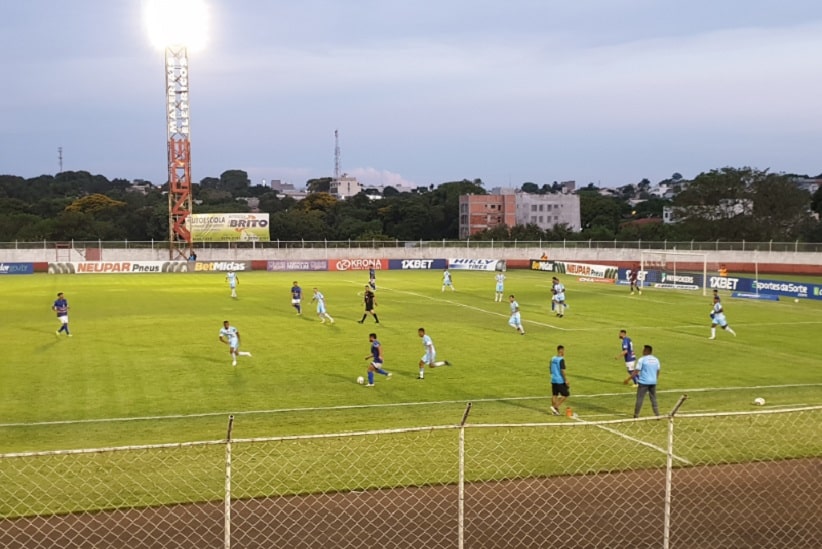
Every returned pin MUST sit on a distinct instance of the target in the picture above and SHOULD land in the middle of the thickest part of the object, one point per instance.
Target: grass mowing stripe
(392, 405)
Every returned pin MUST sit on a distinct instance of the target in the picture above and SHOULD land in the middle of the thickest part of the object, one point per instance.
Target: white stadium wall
(733, 259)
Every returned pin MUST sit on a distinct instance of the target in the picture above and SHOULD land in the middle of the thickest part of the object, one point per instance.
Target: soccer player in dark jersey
(627, 353)
(375, 356)
(61, 307)
(296, 297)
(370, 301)
(633, 278)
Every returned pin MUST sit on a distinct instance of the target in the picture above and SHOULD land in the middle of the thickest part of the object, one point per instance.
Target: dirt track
(773, 505)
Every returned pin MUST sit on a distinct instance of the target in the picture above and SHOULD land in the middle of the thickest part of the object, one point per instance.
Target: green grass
(145, 348)
(145, 366)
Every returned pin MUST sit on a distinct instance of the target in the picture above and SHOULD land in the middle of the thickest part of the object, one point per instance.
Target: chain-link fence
(690, 480)
(583, 244)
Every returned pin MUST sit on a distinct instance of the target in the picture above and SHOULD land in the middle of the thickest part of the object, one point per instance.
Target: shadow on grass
(50, 342)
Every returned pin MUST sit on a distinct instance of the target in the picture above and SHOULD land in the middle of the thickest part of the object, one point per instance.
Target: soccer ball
(759, 401)
(361, 381)
(796, 300)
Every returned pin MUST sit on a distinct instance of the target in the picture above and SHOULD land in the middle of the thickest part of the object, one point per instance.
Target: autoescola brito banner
(228, 227)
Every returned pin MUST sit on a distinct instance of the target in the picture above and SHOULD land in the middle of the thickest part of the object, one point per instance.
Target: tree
(718, 204)
(321, 185)
(323, 202)
(600, 212)
(94, 204)
(780, 208)
(499, 232)
(816, 200)
(652, 207)
(531, 188)
(235, 182)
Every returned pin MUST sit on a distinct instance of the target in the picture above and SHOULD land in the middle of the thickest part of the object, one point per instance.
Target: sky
(597, 91)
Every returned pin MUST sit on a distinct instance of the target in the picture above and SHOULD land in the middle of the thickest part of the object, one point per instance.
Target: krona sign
(356, 264)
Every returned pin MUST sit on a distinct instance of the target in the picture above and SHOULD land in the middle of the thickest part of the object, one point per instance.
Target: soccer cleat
(359, 322)
(249, 355)
(420, 377)
(447, 363)
(554, 411)
(389, 375)
(369, 384)
(234, 363)
(57, 333)
(68, 335)
(712, 337)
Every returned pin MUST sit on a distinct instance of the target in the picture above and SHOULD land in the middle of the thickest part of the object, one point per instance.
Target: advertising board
(298, 265)
(118, 267)
(16, 268)
(476, 264)
(228, 227)
(357, 264)
(417, 264)
(220, 266)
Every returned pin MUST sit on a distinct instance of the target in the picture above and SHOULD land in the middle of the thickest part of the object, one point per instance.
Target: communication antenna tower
(60, 158)
(336, 156)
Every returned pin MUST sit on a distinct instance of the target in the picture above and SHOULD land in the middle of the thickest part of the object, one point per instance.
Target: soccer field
(145, 365)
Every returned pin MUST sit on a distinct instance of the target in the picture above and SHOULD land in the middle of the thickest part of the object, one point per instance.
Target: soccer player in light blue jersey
(321, 312)
(375, 356)
(446, 280)
(559, 297)
(718, 318)
(560, 390)
(231, 337)
(647, 376)
(232, 279)
(500, 287)
(297, 297)
(61, 307)
(430, 356)
(628, 355)
(515, 321)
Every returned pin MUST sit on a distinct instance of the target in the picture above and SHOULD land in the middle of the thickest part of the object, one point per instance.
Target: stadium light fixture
(177, 23)
(177, 27)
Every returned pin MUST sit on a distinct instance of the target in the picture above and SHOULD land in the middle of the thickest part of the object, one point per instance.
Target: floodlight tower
(177, 26)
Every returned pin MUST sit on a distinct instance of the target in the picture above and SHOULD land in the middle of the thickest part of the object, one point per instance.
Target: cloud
(373, 176)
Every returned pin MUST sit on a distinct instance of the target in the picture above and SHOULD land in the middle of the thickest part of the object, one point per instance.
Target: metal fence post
(461, 482)
(669, 467)
(227, 500)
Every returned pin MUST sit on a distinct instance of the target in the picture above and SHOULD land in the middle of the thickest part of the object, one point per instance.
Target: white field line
(634, 439)
(597, 328)
(390, 405)
(473, 308)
